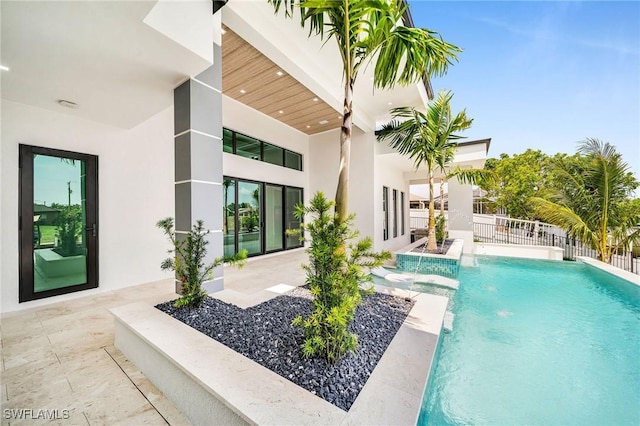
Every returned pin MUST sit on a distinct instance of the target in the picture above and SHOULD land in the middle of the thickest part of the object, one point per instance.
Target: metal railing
(539, 234)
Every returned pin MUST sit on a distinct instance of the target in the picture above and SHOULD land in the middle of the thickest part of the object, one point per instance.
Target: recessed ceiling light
(223, 31)
(3, 68)
(279, 73)
(390, 103)
(339, 116)
(281, 112)
(243, 91)
(68, 104)
(308, 126)
(323, 122)
(315, 99)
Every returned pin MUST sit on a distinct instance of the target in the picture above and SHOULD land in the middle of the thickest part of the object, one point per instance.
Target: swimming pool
(538, 342)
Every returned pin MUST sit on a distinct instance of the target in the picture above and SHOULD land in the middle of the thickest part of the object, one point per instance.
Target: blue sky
(543, 75)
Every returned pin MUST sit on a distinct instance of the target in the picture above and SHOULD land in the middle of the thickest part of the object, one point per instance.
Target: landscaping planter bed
(264, 334)
(213, 384)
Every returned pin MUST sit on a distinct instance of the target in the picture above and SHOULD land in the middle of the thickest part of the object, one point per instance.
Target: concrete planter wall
(53, 265)
(212, 384)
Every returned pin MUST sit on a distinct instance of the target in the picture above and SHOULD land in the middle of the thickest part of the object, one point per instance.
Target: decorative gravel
(441, 249)
(264, 334)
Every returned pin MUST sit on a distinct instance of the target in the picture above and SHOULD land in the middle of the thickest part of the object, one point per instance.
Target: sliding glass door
(58, 222)
(249, 213)
(256, 216)
(293, 197)
(274, 220)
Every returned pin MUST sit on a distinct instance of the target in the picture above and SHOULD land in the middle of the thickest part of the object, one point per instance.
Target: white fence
(505, 230)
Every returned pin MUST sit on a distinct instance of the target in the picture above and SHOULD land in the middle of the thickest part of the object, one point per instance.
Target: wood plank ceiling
(251, 78)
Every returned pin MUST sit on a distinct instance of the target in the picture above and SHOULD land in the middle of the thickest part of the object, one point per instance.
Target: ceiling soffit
(254, 80)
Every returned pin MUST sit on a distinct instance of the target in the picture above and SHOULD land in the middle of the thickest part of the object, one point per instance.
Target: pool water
(538, 342)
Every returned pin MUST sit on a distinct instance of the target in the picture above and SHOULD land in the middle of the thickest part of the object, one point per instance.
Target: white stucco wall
(388, 175)
(136, 174)
(324, 154)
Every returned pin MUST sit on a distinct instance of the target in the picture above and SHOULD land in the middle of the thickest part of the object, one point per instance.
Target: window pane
(395, 213)
(273, 154)
(59, 223)
(385, 210)
(228, 216)
(293, 160)
(249, 217)
(293, 197)
(402, 213)
(227, 140)
(273, 218)
(247, 146)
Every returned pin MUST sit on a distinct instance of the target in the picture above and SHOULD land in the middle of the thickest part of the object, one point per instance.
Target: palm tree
(592, 204)
(426, 139)
(365, 31)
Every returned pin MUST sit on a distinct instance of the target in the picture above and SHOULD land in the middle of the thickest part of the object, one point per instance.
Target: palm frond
(566, 219)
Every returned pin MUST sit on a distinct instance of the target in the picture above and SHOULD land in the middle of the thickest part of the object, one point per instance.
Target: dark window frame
(385, 211)
(395, 212)
(25, 227)
(402, 213)
(263, 211)
(262, 143)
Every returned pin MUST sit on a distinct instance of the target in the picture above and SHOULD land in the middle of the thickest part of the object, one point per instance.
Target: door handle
(93, 229)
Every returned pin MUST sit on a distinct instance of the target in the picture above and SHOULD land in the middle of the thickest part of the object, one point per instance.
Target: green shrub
(188, 262)
(69, 230)
(441, 231)
(334, 274)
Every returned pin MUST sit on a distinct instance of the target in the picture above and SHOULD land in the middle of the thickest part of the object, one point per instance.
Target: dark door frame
(25, 226)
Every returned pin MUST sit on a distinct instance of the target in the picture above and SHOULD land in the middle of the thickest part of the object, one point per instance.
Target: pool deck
(62, 356)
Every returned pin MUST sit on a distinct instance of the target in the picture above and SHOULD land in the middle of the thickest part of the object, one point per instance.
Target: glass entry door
(58, 222)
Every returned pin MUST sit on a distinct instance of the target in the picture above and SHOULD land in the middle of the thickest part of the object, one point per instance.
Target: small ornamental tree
(334, 274)
(188, 262)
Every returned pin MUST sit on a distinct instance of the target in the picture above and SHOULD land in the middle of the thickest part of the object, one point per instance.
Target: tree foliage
(370, 31)
(590, 198)
(188, 261)
(69, 224)
(334, 274)
(429, 139)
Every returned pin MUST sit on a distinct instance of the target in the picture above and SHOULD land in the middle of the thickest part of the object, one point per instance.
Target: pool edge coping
(610, 269)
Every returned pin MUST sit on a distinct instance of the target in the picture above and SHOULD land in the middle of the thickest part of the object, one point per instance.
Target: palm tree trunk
(431, 236)
(342, 192)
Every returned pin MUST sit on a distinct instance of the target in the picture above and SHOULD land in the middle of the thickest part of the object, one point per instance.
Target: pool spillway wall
(447, 265)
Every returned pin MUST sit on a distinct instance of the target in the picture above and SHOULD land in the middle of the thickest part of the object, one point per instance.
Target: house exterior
(129, 112)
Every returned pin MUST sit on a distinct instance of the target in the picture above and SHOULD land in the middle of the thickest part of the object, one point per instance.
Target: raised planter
(212, 384)
(53, 265)
(447, 265)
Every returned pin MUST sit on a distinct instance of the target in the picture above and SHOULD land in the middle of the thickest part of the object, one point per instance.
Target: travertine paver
(61, 357)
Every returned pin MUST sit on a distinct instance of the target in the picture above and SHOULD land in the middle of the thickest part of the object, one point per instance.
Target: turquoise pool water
(538, 343)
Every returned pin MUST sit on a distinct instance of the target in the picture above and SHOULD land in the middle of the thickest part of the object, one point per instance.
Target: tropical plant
(426, 138)
(188, 261)
(441, 231)
(369, 31)
(68, 230)
(334, 275)
(593, 202)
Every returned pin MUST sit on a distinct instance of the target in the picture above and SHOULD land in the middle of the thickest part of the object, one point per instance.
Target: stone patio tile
(35, 354)
(114, 404)
(53, 311)
(33, 375)
(12, 346)
(36, 393)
